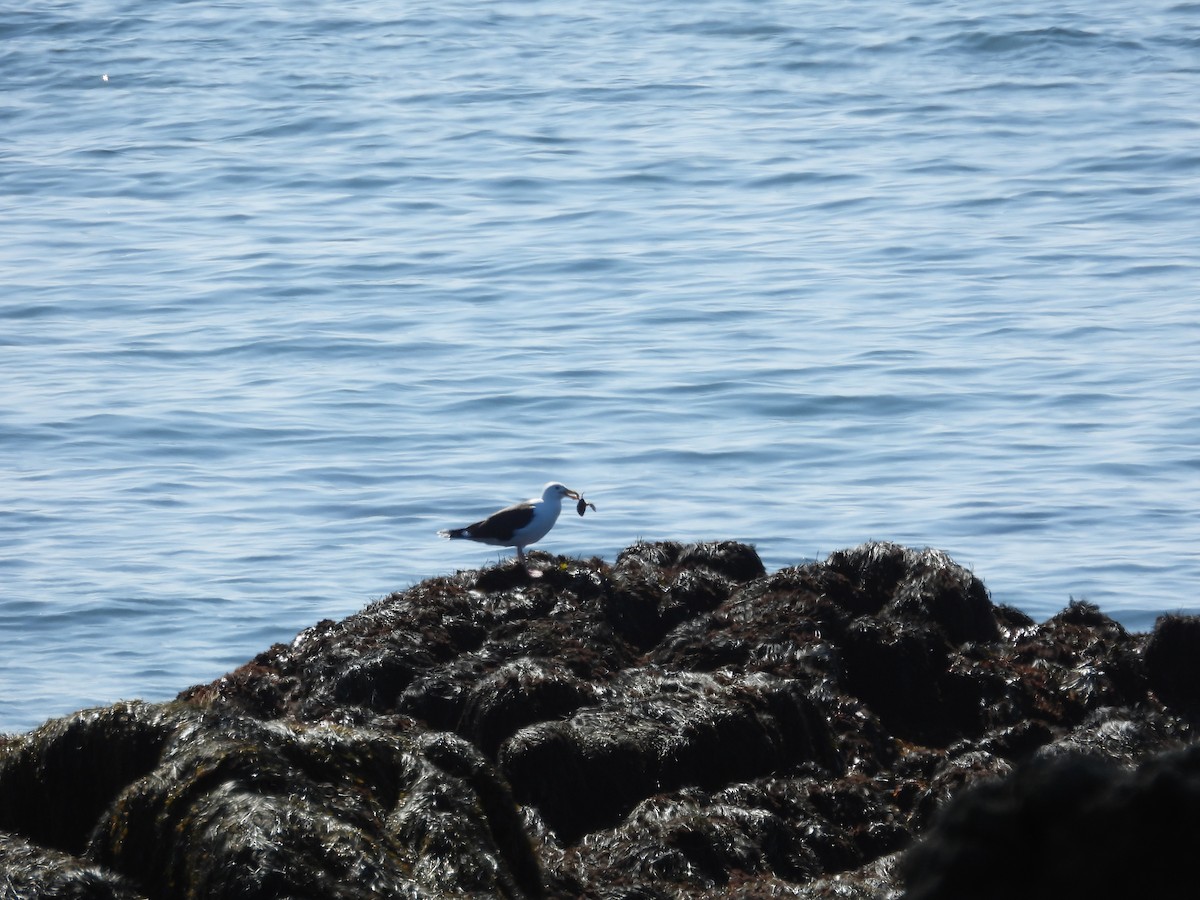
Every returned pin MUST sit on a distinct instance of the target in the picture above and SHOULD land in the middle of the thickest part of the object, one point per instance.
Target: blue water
(285, 288)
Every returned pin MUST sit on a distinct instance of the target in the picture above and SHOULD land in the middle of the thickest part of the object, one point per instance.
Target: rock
(678, 723)
(1172, 664)
(217, 804)
(1066, 827)
(29, 870)
(661, 732)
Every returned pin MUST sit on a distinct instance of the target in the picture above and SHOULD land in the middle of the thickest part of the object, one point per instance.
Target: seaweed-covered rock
(1066, 827)
(1172, 663)
(222, 805)
(658, 733)
(678, 723)
(29, 870)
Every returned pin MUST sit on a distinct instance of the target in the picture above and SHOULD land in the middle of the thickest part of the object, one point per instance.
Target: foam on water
(293, 289)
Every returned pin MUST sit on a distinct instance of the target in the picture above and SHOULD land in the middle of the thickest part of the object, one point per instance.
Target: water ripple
(286, 294)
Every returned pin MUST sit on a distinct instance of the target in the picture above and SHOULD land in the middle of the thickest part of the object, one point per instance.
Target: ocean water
(286, 287)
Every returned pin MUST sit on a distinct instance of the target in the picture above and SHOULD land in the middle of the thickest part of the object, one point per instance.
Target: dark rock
(523, 692)
(899, 671)
(56, 782)
(662, 732)
(222, 805)
(729, 559)
(679, 723)
(1066, 827)
(28, 870)
(1173, 660)
(658, 586)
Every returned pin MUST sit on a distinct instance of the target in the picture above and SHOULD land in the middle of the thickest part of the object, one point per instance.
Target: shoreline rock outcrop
(677, 723)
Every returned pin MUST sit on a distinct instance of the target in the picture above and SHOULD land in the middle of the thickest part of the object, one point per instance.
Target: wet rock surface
(677, 723)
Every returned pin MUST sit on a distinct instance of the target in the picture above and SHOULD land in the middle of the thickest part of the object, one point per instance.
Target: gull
(518, 525)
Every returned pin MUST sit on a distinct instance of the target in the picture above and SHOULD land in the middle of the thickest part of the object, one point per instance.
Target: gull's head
(556, 491)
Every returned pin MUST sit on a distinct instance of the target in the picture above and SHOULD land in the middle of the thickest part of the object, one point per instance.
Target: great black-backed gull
(518, 525)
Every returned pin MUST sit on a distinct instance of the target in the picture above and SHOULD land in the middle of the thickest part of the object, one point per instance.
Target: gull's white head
(556, 491)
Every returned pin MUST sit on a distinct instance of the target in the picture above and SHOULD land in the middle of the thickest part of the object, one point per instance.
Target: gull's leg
(533, 573)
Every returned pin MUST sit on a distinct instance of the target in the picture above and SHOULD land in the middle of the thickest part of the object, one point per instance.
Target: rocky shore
(678, 723)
